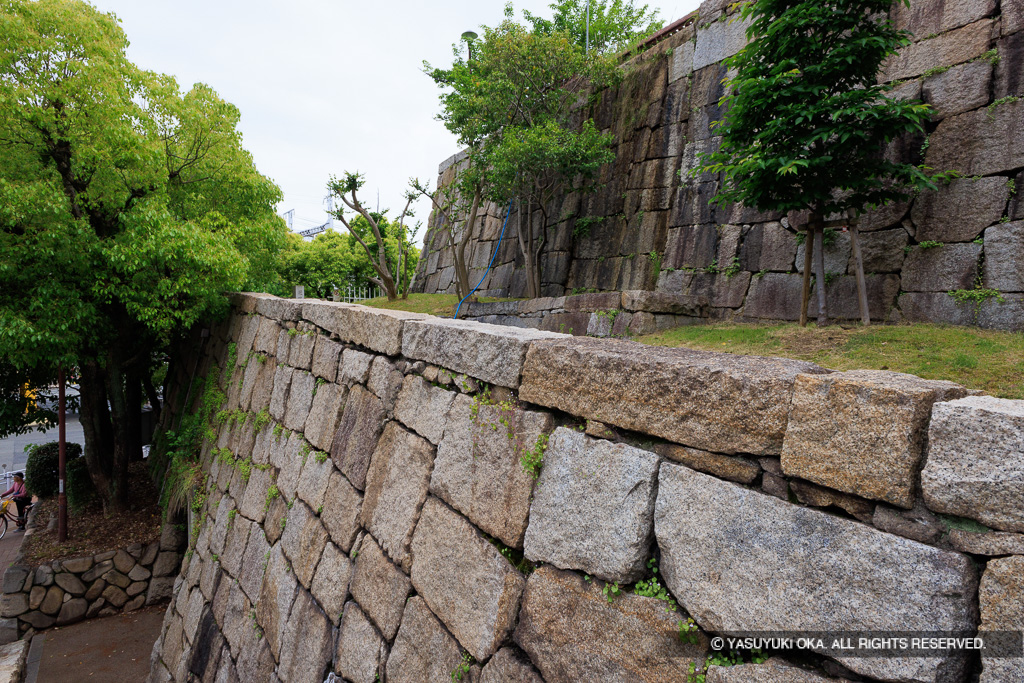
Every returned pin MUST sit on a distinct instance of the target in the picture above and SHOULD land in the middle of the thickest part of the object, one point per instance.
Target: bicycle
(9, 511)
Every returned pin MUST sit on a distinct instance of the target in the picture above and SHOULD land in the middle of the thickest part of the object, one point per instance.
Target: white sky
(324, 87)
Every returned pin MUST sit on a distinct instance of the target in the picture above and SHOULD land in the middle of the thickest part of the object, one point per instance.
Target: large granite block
(942, 268)
(423, 650)
(361, 650)
(722, 544)
(308, 643)
(593, 507)
(324, 414)
(975, 465)
(478, 471)
(275, 600)
(1004, 267)
(379, 587)
(510, 665)
(492, 353)
(303, 541)
(326, 358)
(279, 395)
(925, 17)
(718, 40)
(277, 308)
(396, 487)
(360, 427)
(340, 512)
(714, 401)
(962, 88)
(423, 407)
(300, 399)
(862, 431)
(958, 212)
(980, 142)
(572, 633)
(953, 47)
(330, 582)
(377, 329)
(446, 545)
(1001, 595)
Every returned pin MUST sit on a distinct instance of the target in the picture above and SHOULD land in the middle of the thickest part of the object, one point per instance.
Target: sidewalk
(108, 650)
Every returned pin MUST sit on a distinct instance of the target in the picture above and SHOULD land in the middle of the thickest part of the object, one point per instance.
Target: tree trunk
(819, 268)
(96, 425)
(862, 290)
(124, 417)
(808, 261)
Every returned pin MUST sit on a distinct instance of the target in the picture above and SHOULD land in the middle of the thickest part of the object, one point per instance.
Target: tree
(127, 209)
(807, 124)
(334, 259)
(518, 105)
(455, 200)
(613, 26)
(345, 189)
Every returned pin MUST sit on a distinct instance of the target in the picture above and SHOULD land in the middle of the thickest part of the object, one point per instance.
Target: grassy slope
(980, 359)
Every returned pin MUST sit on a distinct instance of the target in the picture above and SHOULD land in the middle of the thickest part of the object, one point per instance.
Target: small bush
(80, 489)
(41, 468)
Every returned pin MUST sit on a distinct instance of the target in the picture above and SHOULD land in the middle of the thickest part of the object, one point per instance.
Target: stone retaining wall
(66, 591)
(397, 497)
(652, 227)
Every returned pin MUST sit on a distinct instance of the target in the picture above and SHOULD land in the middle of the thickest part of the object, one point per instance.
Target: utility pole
(62, 460)
(330, 211)
(587, 50)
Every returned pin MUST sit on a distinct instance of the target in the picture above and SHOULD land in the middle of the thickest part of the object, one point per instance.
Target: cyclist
(19, 494)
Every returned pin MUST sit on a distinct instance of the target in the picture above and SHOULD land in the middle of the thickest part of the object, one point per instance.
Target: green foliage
(515, 107)
(977, 295)
(652, 588)
(611, 591)
(931, 244)
(261, 420)
(80, 490)
(689, 632)
(460, 671)
(272, 494)
(140, 196)
(582, 226)
(614, 25)
(41, 467)
(532, 460)
(806, 116)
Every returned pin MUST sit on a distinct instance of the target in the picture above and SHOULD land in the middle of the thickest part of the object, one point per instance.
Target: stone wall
(656, 229)
(63, 592)
(398, 497)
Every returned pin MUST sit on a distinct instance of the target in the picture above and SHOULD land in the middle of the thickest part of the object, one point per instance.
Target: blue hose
(469, 227)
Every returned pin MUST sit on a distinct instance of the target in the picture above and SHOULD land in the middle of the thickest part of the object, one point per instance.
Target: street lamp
(469, 37)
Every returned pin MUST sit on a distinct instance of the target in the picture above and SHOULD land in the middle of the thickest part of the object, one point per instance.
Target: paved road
(12, 449)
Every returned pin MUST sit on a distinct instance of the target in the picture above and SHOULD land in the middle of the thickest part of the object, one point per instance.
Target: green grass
(979, 359)
(442, 305)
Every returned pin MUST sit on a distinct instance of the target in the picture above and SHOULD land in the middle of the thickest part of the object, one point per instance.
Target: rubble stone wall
(652, 227)
(63, 592)
(397, 497)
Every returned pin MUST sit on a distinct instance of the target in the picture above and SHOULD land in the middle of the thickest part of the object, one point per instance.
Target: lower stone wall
(396, 497)
(63, 592)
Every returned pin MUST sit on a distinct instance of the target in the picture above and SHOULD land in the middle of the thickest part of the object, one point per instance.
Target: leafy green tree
(614, 26)
(807, 124)
(517, 106)
(127, 209)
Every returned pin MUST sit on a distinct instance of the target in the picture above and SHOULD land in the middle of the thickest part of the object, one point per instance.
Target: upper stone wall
(658, 231)
(406, 498)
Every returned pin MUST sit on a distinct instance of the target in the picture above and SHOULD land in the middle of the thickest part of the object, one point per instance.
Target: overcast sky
(323, 86)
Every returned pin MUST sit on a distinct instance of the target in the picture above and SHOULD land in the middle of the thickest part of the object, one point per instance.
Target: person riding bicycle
(19, 494)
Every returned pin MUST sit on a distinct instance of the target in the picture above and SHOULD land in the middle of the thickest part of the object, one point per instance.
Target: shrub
(80, 489)
(41, 468)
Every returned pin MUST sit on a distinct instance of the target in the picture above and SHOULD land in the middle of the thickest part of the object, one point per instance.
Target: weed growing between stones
(611, 591)
(272, 493)
(229, 369)
(515, 557)
(689, 632)
(652, 588)
(460, 671)
(231, 518)
(261, 420)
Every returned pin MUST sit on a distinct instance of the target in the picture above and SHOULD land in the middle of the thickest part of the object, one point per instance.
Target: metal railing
(351, 294)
